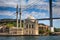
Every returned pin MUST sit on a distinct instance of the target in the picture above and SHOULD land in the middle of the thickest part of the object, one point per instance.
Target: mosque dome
(31, 17)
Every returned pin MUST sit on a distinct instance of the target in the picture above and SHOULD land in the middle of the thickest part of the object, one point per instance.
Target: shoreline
(50, 34)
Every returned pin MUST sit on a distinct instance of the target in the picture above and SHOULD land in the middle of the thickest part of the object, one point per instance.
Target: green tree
(41, 31)
(48, 31)
(9, 25)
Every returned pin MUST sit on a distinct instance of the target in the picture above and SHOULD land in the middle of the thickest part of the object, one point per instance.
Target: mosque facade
(30, 27)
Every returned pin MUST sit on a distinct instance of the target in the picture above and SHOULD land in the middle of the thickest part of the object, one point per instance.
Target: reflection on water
(30, 38)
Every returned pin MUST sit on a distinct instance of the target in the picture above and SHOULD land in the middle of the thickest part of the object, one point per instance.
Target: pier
(56, 33)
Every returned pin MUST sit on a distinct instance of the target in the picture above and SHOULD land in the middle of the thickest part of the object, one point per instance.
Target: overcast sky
(37, 8)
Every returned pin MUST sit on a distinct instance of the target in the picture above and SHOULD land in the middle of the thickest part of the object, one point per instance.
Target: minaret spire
(20, 14)
(17, 15)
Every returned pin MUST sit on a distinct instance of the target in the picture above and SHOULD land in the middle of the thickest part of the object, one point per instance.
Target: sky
(36, 8)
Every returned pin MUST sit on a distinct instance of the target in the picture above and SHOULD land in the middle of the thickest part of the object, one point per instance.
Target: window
(27, 26)
(40, 28)
(32, 26)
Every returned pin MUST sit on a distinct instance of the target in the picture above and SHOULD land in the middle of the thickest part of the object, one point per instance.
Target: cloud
(56, 9)
(25, 14)
(39, 15)
(30, 3)
(46, 22)
(8, 13)
(57, 0)
(56, 20)
(8, 3)
(56, 23)
(40, 4)
(36, 15)
(56, 4)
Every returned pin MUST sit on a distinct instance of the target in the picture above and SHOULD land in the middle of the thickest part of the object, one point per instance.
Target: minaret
(20, 15)
(17, 15)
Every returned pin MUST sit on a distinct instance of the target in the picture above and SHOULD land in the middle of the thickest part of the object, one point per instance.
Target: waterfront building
(29, 27)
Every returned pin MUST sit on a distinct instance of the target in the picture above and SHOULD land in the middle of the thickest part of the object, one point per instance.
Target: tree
(41, 31)
(9, 25)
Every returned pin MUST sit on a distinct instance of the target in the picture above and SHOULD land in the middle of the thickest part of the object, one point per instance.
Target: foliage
(48, 31)
(44, 31)
(57, 29)
(41, 31)
(9, 25)
(13, 24)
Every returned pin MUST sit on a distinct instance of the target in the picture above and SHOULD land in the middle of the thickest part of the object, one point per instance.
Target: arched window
(32, 26)
(27, 26)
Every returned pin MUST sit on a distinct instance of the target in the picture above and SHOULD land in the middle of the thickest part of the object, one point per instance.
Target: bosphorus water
(29, 37)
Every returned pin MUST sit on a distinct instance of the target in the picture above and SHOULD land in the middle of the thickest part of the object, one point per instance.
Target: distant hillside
(57, 29)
